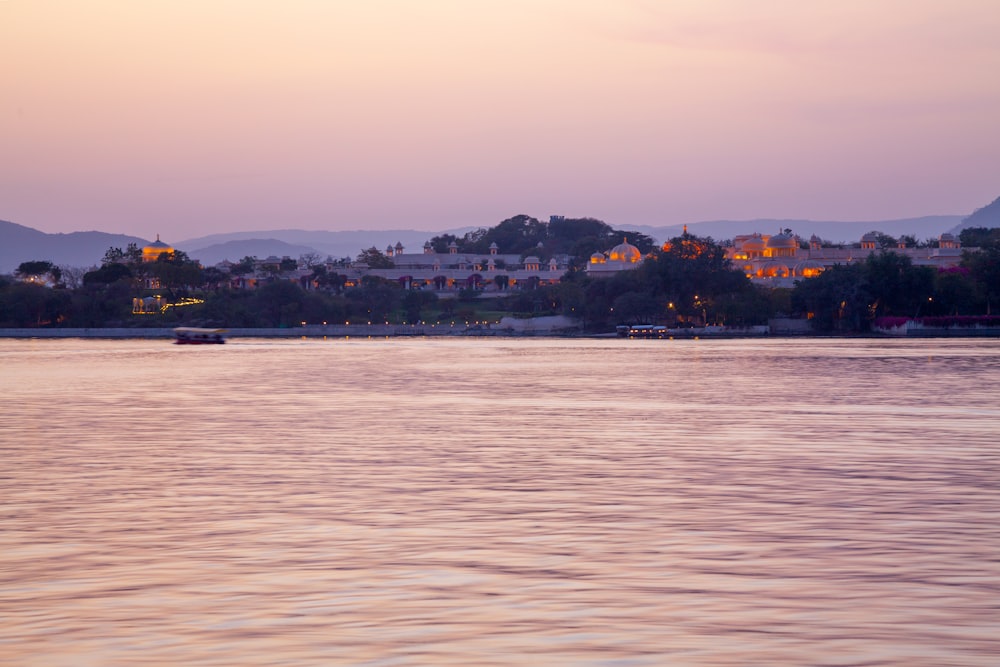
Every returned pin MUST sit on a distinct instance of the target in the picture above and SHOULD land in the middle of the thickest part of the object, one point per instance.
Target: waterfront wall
(337, 331)
(507, 326)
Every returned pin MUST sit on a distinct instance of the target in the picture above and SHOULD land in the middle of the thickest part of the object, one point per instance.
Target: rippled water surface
(500, 502)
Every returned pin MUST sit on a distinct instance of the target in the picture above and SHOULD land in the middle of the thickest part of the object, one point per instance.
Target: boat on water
(641, 331)
(197, 336)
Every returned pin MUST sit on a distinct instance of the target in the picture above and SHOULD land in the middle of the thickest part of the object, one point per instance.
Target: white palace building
(454, 270)
(780, 260)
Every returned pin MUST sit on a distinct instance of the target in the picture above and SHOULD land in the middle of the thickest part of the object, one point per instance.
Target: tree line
(687, 281)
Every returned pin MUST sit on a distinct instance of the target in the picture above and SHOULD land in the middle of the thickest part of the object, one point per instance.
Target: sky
(190, 117)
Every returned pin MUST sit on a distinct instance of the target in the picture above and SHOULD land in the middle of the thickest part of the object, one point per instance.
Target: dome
(753, 243)
(773, 269)
(782, 241)
(809, 268)
(598, 258)
(152, 251)
(625, 252)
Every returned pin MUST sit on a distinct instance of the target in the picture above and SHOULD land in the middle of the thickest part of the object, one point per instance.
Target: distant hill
(84, 249)
(987, 216)
(930, 226)
(335, 244)
(237, 250)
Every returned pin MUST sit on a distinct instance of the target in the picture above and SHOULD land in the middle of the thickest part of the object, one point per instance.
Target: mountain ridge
(19, 243)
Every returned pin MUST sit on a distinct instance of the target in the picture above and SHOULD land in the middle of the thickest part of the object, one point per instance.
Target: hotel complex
(780, 260)
(777, 260)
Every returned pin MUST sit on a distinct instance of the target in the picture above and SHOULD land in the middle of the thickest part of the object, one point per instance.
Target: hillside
(237, 250)
(84, 249)
(987, 216)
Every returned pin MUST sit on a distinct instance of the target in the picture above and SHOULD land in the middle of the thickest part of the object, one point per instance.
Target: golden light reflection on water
(494, 502)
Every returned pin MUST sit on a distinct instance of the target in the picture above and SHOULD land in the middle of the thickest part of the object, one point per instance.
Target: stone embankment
(506, 327)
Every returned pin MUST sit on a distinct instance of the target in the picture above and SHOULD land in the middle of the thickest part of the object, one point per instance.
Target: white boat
(196, 336)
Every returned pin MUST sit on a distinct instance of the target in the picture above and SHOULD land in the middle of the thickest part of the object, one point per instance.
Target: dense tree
(564, 232)
(39, 270)
(441, 243)
(956, 292)
(521, 234)
(279, 303)
(849, 297)
(374, 259)
(836, 300)
(374, 299)
(896, 286)
(414, 302)
(32, 305)
(689, 274)
(107, 274)
(979, 237)
(176, 271)
(984, 268)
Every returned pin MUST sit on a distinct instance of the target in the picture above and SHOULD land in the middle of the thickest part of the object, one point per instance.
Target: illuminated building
(622, 257)
(780, 260)
(152, 252)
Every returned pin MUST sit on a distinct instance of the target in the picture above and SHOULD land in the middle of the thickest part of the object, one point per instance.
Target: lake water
(500, 502)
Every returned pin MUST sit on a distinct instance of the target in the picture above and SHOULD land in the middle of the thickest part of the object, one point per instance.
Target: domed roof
(755, 242)
(809, 268)
(152, 251)
(625, 252)
(158, 244)
(773, 269)
(782, 241)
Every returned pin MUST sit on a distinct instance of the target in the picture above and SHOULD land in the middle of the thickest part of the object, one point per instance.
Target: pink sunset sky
(188, 117)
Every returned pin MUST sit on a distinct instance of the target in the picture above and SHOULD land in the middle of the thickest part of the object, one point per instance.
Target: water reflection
(490, 502)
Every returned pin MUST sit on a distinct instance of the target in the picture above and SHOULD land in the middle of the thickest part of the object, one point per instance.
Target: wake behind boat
(196, 336)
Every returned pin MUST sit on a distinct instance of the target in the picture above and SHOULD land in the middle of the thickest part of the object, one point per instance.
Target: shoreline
(475, 331)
